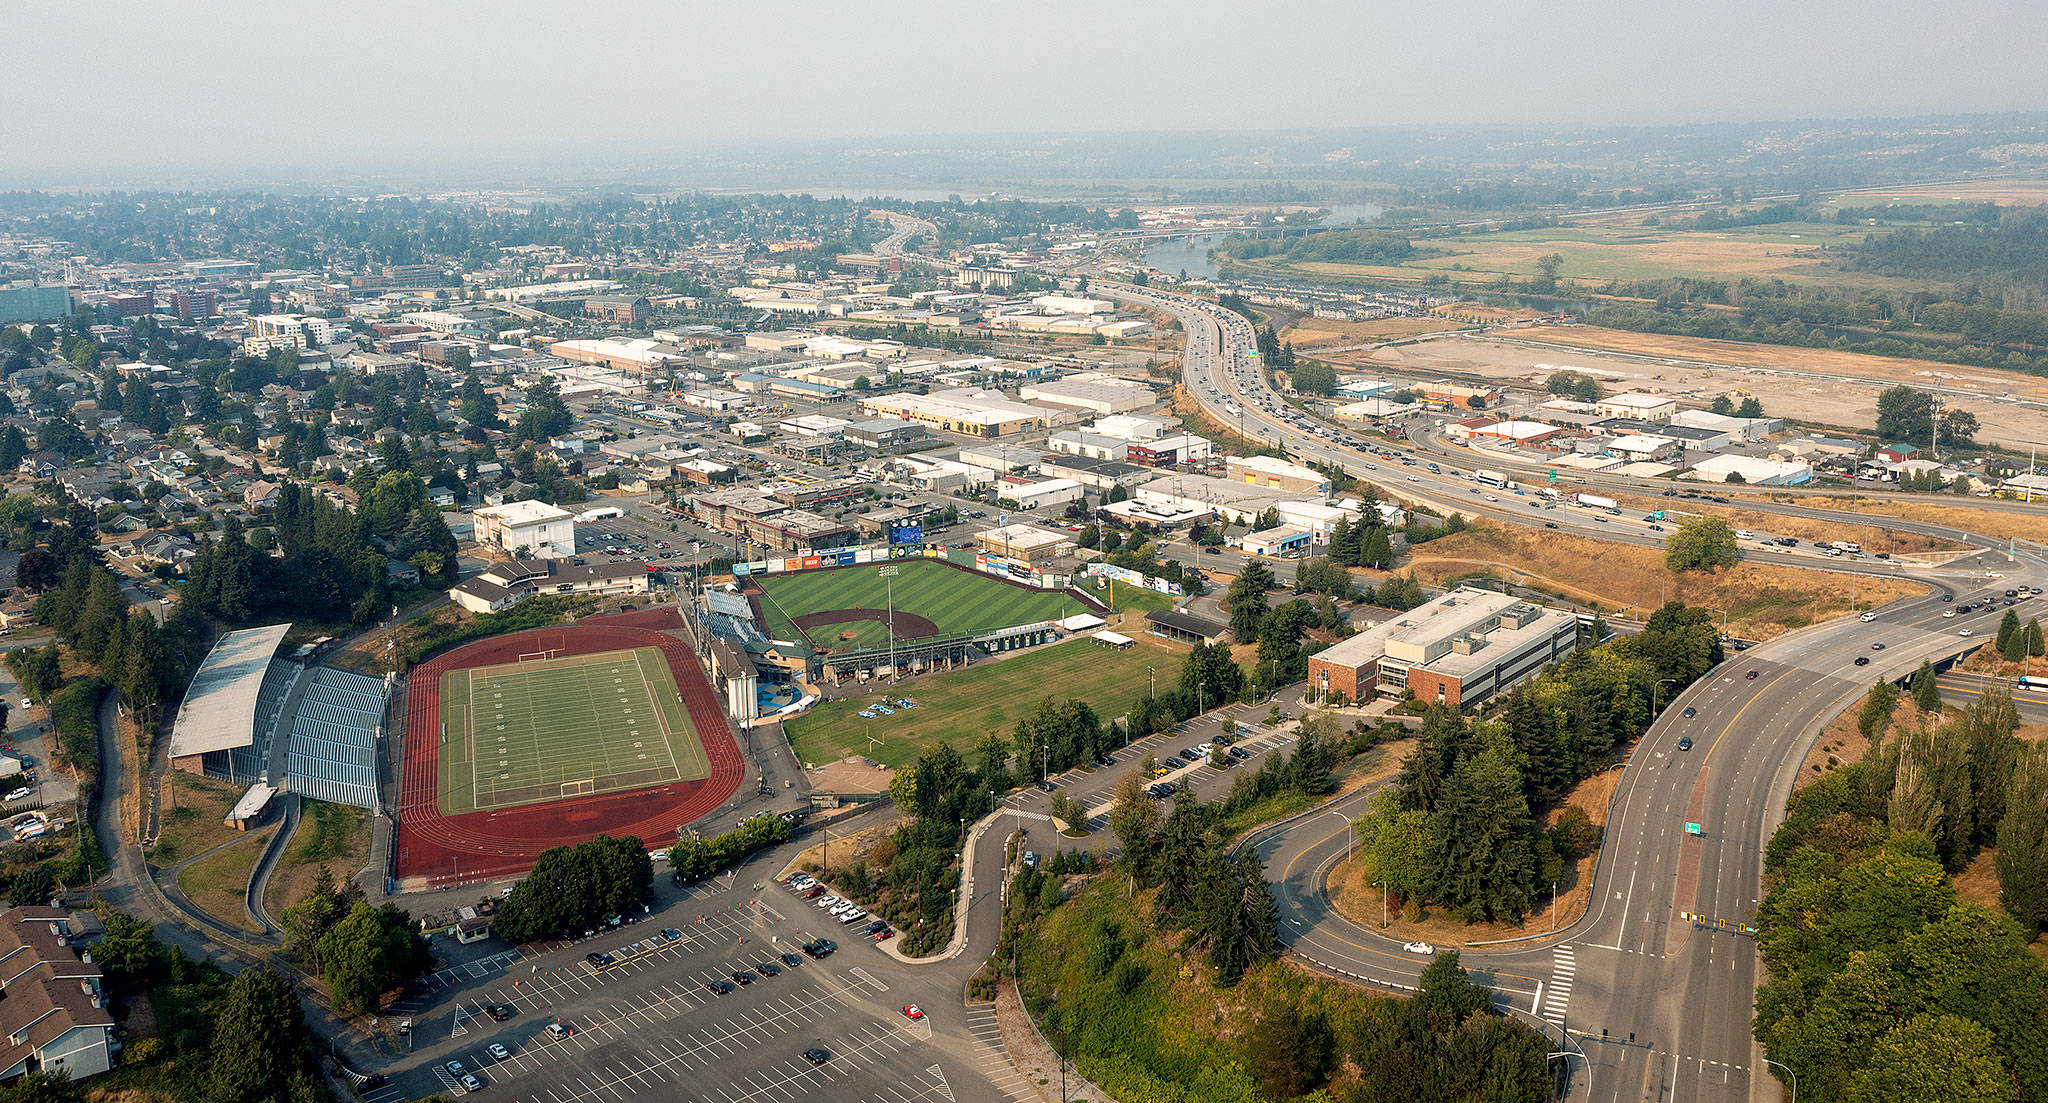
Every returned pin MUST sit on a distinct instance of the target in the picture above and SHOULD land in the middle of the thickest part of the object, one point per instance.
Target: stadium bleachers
(333, 750)
(246, 764)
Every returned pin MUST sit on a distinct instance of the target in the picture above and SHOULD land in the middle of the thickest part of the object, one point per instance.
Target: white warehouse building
(527, 530)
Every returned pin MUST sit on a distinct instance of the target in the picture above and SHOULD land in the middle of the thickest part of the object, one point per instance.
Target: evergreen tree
(1482, 865)
(1134, 819)
(1877, 710)
(2022, 859)
(259, 1040)
(1345, 546)
(1180, 848)
(1926, 695)
(2008, 627)
(2035, 642)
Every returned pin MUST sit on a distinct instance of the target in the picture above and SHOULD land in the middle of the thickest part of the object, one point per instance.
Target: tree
(370, 952)
(1750, 408)
(259, 1039)
(1904, 414)
(2022, 859)
(1180, 846)
(573, 888)
(1926, 695)
(307, 922)
(1246, 600)
(2035, 642)
(1091, 535)
(1958, 425)
(2012, 637)
(1292, 1053)
(1134, 818)
(1481, 863)
(1932, 1059)
(1877, 710)
(1314, 377)
(1210, 677)
(1546, 272)
(1701, 544)
(1723, 405)
(43, 1086)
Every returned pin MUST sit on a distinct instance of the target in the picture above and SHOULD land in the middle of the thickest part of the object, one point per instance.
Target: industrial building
(1635, 404)
(883, 434)
(1043, 492)
(1461, 650)
(1100, 396)
(641, 354)
(1757, 472)
(1277, 474)
(967, 411)
(527, 530)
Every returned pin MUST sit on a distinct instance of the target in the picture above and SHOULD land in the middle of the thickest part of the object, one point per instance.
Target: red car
(912, 1011)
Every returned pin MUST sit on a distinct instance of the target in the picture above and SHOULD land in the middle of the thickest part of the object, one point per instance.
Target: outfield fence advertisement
(1015, 569)
(1129, 577)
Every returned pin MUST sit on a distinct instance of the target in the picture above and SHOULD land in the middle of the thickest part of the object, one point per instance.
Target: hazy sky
(121, 84)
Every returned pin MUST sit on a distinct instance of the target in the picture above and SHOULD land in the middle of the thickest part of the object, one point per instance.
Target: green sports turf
(955, 600)
(545, 729)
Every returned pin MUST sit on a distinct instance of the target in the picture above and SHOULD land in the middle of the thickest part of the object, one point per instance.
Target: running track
(440, 850)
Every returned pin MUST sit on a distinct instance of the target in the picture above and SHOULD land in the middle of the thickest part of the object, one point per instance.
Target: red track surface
(436, 849)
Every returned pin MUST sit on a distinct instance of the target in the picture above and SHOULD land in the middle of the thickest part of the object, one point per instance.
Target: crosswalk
(1557, 997)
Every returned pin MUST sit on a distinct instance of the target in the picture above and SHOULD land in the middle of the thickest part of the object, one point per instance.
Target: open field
(216, 884)
(1818, 386)
(2018, 193)
(952, 599)
(544, 729)
(1759, 600)
(332, 835)
(1873, 537)
(961, 706)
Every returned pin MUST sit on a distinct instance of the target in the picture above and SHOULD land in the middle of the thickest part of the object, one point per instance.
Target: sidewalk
(1034, 1056)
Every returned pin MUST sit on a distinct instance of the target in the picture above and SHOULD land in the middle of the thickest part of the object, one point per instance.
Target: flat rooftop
(219, 712)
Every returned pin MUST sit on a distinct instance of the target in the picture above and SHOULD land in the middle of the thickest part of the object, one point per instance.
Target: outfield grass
(960, 706)
(955, 600)
(520, 733)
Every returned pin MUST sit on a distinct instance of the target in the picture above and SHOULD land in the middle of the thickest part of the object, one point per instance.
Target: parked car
(912, 1012)
(498, 1051)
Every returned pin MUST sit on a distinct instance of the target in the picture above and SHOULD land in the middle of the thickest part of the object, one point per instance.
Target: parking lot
(654, 1020)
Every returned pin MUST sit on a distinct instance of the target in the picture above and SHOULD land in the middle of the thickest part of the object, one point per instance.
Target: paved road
(1659, 1007)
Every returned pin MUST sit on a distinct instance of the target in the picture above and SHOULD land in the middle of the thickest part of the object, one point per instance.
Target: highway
(1658, 1008)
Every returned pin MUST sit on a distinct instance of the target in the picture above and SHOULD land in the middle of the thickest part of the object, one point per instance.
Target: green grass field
(960, 706)
(540, 730)
(953, 599)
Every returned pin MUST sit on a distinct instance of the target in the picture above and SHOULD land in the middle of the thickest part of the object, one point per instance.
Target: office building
(1461, 650)
(28, 301)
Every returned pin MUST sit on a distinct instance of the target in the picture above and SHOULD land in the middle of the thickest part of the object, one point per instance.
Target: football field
(546, 728)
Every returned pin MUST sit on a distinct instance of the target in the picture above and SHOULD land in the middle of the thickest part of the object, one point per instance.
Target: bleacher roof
(219, 712)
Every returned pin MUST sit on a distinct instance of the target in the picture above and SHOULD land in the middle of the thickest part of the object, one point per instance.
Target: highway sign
(1692, 829)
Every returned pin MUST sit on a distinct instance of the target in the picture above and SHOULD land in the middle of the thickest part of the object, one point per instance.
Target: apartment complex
(527, 530)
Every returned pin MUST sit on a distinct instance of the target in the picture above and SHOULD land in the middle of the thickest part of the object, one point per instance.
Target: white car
(1948, 613)
(1419, 948)
(22, 793)
(498, 1051)
(830, 902)
(1966, 632)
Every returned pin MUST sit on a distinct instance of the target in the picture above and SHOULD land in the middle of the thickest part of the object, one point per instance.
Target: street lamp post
(1790, 1073)
(1656, 708)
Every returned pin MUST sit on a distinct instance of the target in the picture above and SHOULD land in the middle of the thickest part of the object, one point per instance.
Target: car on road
(1966, 632)
(1948, 597)
(1691, 712)
(1862, 660)
(1877, 645)
(1419, 948)
(1948, 613)
(1550, 524)
(1685, 743)
(498, 1051)
(816, 1056)
(913, 1012)
(1751, 675)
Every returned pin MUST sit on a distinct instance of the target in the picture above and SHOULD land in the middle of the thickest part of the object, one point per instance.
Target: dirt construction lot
(1818, 386)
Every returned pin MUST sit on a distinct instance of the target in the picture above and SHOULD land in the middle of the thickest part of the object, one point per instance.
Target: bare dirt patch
(1820, 386)
(1974, 515)
(1758, 600)
(1310, 333)
(849, 775)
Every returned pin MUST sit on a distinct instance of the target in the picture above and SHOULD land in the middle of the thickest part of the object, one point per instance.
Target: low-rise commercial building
(1748, 469)
(884, 434)
(1097, 396)
(1023, 543)
(1638, 405)
(1459, 650)
(1044, 492)
(967, 411)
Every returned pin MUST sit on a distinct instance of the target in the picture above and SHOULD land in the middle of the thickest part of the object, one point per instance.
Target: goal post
(579, 788)
(536, 656)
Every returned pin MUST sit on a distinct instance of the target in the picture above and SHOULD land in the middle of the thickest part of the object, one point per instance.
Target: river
(1191, 254)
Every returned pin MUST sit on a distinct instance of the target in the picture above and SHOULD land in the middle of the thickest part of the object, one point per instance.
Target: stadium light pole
(888, 574)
